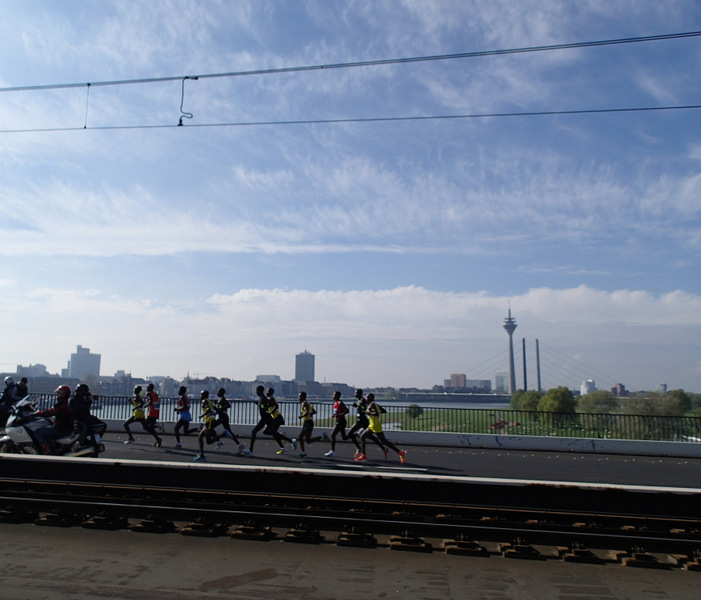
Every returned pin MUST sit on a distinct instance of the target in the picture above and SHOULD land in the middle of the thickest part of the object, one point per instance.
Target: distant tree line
(674, 403)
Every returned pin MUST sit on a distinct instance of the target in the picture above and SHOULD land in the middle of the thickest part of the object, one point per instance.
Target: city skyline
(451, 159)
(84, 363)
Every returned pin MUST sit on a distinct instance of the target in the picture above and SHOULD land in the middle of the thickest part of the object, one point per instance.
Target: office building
(83, 364)
(587, 387)
(304, 367)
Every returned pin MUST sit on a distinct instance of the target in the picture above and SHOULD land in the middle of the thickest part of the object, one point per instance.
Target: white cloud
(363, 337)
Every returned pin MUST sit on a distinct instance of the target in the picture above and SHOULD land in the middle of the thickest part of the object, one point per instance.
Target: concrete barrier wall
(493, 441)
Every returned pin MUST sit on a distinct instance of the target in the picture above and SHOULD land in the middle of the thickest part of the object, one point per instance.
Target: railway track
(575, 522)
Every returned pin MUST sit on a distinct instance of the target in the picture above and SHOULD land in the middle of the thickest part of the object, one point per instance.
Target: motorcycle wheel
(9, 448)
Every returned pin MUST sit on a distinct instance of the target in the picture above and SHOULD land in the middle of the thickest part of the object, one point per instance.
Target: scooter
(24, 434)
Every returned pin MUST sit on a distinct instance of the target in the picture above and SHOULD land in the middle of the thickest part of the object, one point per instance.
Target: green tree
(531, 400)
(670, 404)
(414, 411)
(695, 400)
(515, 401)
(675, 403)
(558, 400)
(600, 401)
(646, 403)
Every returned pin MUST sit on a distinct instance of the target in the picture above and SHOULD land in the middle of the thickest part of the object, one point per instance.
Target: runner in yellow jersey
(209, 419)
(374, 413)
(306, 413)
(139, 416)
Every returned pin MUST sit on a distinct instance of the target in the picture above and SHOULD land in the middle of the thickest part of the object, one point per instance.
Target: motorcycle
(24, 434)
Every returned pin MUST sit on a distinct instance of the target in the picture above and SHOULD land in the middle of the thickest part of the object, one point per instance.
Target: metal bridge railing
(450, 420)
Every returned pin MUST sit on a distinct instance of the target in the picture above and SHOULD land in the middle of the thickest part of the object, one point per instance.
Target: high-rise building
(619, 390)
(587, 387)
(83, 363)
(501, 382)
(457, 380)
(304, 367)
(510, 326)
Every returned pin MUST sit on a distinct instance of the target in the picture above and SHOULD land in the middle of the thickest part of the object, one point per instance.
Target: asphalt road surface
(509, 464)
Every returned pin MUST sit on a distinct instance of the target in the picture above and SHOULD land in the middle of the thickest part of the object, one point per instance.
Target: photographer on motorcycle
(63, 420)
(9, 398)
(79, 406)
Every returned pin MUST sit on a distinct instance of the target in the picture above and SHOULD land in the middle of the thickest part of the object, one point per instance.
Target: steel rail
(621, 531)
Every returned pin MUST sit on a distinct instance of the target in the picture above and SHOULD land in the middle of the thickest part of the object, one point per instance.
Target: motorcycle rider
(79, 406)
(9, 398)
(22, 388)
(63, 420)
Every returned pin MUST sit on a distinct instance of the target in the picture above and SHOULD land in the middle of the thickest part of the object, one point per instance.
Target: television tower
(510, 326)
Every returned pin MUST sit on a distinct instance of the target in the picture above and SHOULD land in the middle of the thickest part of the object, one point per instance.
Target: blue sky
(391, 250)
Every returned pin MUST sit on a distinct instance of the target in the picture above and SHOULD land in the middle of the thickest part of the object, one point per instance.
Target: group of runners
(214, 413)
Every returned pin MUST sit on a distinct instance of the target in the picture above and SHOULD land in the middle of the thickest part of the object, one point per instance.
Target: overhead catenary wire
(368, 63)
(347, 120)
(592, 111)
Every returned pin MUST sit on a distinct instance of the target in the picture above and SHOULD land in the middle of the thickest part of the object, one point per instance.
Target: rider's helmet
(82, 390)
(63, 391)
(9, 381)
